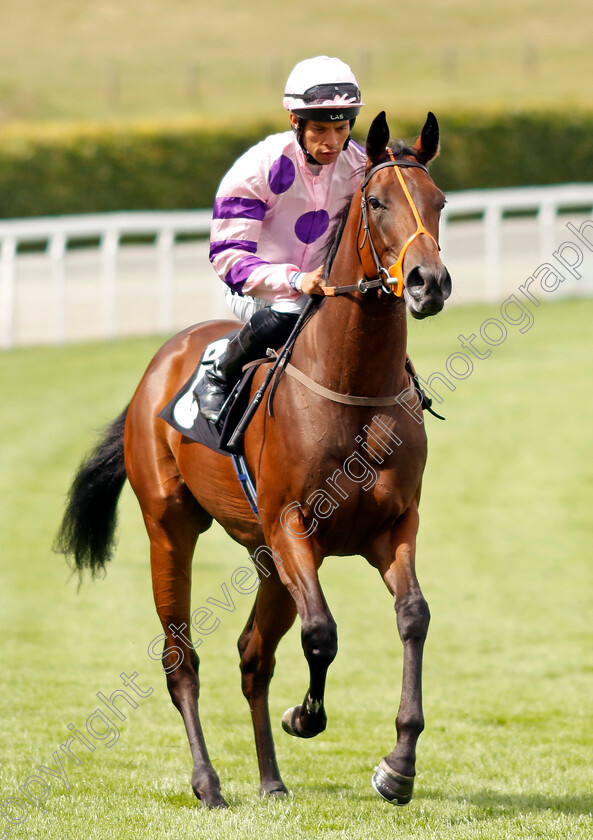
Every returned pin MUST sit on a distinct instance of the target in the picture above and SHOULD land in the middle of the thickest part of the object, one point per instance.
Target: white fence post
(165, 243)
(546, 217)
(7, 283)
(57, 253)
(109, 247)
(492, 252)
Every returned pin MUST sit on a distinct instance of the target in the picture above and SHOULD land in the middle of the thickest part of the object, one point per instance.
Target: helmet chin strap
(308, 156)
(299, 135)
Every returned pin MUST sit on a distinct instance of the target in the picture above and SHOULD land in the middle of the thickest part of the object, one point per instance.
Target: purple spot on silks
(282, 174)
(310, 226)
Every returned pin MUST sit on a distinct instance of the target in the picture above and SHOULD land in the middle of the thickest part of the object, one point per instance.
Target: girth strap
(344, 399)
(349, 399)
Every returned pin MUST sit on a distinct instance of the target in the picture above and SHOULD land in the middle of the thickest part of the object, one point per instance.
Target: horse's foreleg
(172, 539)
(394, 556)
(273, 614)
(319, 638)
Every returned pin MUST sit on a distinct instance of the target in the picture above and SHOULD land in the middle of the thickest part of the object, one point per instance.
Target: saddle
(182, 413)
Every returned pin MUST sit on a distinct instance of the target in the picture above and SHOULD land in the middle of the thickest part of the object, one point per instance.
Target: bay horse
(337, 464)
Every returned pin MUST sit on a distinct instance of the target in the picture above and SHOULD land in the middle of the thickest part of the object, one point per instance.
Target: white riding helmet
(323, 89)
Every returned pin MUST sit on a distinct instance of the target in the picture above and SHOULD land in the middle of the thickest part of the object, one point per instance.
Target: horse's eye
(375, 203)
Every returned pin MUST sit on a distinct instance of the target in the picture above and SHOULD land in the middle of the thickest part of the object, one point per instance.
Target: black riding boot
(266, 328)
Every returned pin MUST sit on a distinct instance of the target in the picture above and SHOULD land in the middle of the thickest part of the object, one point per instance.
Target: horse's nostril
(446, 285)
(425, 281)
(415, 282)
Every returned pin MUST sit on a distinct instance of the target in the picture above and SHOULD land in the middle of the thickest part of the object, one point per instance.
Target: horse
(337, 461)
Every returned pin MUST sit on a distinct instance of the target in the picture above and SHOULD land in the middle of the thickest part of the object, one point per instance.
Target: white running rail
(105, 235)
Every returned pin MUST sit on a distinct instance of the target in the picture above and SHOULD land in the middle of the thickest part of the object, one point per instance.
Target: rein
(369, 258)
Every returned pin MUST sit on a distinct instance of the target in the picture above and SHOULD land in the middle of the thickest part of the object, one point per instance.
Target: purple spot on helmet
(281, 175)
(310, 226)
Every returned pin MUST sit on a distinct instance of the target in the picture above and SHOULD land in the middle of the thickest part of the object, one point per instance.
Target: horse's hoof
(392, 786)
(277, 790)
(291, 723)
(209, 795)
(213, 801)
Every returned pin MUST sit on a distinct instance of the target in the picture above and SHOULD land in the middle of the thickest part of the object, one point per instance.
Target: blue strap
(246, 482)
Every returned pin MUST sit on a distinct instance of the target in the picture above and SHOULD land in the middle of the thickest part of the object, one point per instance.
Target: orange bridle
(393, 277)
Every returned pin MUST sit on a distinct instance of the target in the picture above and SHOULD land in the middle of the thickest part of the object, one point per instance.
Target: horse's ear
(427, 145)
(377, 139)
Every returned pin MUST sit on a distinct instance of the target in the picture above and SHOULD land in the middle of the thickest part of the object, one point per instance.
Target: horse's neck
(356, 344)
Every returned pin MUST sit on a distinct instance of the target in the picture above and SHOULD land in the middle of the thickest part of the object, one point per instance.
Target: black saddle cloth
(182, 411)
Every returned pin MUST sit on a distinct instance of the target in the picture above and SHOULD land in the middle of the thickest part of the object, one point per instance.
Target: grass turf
(148, 58)
(503, 559)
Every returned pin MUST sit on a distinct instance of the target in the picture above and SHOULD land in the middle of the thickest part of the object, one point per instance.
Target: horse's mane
(399, 149)
(335, 238)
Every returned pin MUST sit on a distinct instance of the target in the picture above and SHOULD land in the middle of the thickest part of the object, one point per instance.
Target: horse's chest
(360, 492)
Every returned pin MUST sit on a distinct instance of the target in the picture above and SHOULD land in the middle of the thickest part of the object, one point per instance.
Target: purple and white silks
(273, 213)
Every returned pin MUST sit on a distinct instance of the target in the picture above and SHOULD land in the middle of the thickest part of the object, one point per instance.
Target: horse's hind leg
(394, 556)
(173, 524)
(272, 615)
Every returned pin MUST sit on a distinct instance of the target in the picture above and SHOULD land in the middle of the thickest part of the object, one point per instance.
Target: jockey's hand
(312, 282)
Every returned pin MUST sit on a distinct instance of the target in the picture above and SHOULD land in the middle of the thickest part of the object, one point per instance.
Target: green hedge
(82, 169)
(87, 169)
(514, 149)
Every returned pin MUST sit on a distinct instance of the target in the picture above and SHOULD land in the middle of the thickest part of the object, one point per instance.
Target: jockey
(272, 217)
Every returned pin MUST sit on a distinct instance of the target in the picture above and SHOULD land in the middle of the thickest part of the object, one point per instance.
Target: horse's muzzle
(426, 289)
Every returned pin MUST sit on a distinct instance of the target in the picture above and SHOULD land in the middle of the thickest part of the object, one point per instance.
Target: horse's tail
(88, 528)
